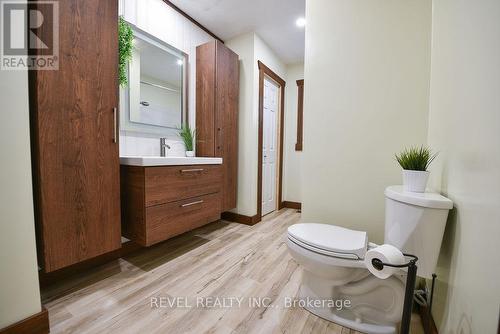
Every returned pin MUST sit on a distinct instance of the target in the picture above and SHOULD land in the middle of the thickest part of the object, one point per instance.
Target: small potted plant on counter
(415, 161)
(187, 136)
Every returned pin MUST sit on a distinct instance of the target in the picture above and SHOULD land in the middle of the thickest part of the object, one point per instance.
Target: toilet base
(352, 324)
(318, 288)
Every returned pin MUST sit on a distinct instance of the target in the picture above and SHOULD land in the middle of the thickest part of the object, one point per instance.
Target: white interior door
(269, 146)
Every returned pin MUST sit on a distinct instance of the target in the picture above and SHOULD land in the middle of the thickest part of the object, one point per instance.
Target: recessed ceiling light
(179, 62)
(300, 22)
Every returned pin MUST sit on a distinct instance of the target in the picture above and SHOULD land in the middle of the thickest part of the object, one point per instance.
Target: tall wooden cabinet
(217, 91)
(76, 168)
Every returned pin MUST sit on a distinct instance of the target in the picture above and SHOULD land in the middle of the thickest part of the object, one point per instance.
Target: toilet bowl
(332, 259)
(334, 271)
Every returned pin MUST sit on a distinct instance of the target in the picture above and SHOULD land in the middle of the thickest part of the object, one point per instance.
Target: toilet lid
(331, 238)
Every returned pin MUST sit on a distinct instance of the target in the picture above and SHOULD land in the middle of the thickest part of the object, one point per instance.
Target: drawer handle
(192, 203)
(194, 170)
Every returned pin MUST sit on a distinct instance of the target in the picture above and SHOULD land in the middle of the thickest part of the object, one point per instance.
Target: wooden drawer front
(173, 183)
(168, 220)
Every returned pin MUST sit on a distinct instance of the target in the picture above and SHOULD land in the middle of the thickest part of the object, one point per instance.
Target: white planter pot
(415, 180)
(190, 154)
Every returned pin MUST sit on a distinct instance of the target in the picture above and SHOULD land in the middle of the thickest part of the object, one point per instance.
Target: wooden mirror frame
(300, 114)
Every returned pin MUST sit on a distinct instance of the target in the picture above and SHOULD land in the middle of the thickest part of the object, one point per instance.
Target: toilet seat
(330, 240)
(346, 256)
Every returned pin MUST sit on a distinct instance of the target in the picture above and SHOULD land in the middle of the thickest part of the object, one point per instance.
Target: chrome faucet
(163, 147)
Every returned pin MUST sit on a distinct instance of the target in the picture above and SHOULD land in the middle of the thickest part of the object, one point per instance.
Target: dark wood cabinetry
(74, 138)
(161, 202)
(217, 91)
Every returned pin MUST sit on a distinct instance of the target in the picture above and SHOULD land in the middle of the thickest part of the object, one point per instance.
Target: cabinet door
(226, 121)
(74, 138)
(205, 100)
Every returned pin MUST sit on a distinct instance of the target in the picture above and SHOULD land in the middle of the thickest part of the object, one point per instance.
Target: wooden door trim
(263, 72)
(300, 114)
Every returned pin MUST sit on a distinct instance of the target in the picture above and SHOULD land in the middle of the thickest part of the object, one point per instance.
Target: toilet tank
(415, 223)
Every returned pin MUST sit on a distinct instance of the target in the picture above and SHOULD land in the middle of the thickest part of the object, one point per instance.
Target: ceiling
(272, 20)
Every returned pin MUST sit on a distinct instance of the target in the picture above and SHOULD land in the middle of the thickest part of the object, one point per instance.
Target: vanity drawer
(171, 219)
(167, 184)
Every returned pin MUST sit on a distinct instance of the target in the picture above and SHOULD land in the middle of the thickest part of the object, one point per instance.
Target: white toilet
(332, 258)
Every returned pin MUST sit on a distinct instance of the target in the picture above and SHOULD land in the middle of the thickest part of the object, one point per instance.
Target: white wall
(464, 126)
(292, 159)
(250, 49)
(247, 123)
(367, 69)
(163, 22)
(19, 290)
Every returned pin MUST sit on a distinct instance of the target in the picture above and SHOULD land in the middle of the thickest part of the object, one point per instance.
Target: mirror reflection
(157, 85)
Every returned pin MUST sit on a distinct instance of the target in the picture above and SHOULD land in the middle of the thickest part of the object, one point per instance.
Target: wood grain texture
(173, 183)
(226, 120)
(205, 100)
(36, 324)
(260, 142)
(168, 220)
(76, 163)
(219, 259)
(74, 271)
(133, 203)
(217, 92)
(300, 114)
(152, 200)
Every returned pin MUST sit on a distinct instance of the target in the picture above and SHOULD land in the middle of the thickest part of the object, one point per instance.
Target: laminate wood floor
(223, 259)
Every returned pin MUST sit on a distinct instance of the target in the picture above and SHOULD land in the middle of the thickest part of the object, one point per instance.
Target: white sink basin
(167, 161)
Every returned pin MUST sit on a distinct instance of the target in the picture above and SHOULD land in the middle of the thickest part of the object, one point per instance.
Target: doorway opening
(270, 148)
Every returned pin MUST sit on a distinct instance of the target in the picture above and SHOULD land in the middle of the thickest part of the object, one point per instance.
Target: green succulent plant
(125, 46)
(187, 136)
(416, 158)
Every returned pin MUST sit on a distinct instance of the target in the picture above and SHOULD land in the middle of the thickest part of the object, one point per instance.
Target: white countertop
(167, 161)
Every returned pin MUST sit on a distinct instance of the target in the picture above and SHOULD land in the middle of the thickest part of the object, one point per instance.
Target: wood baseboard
(427, 321)
(36, 324)
(291, 205)
(242, 219)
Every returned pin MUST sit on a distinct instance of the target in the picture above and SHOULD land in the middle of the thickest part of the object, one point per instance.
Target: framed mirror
(155, 99)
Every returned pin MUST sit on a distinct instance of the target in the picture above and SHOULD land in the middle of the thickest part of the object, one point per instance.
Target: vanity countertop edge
(148, 161)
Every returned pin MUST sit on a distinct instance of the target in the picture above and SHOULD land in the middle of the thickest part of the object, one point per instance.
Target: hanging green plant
(125, 44)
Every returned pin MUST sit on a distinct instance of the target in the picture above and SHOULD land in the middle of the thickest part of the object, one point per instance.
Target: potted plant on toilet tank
(415, 161)
(187, 136)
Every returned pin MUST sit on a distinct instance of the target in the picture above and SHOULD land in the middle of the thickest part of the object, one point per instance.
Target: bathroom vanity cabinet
(217, 91)
(159, 202)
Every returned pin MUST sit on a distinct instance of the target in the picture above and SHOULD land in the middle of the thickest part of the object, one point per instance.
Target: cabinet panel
(76, 159)
(161, 202)
(171, 219)
(226, 120)
(172, 183)
(205, 100)
(217, 112)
